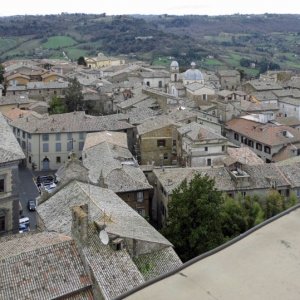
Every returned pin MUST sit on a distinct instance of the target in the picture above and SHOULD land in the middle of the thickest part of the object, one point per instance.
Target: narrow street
(27, 191)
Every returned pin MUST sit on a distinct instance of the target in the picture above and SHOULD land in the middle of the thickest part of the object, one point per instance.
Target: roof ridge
(90, 198)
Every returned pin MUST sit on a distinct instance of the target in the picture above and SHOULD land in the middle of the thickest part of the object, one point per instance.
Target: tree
(81, 61)
(2, 70)
(274, 204)
(57, 106)
(233, 220)
(74, 96)
(194, 223)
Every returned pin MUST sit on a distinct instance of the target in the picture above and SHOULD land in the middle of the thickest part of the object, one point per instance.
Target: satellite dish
(104, 237)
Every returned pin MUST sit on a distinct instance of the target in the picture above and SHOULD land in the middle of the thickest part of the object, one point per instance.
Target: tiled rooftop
(50, 269)
(268, 134)
(115, 162)
(114, 271)
(69, 122)
(10, 149)
(153, 264)
(154, 124)
(122, 220)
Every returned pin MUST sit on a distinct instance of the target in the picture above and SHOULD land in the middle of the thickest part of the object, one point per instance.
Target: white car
(49, 187)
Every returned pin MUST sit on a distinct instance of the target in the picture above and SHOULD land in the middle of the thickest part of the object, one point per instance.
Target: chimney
(80, 222)
(101, 181)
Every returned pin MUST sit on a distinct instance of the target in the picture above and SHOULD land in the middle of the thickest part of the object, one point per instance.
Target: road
(27, 190)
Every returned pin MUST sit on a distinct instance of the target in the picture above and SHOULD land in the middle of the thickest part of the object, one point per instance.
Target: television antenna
(104, 237)
(103, 234)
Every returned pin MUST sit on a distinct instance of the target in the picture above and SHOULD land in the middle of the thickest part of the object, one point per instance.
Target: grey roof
(41, 266)
(250, 106)
(69, 122)
(288, 121)
(243, 155)
(154, 124)
(155, 74)
(10, 149)
(289, 100)
(152, 265)
(115, 162)
(229, 73)
(114, 271)
(262, 85)
(196, 86)
(261, 177)
(291, 170)
(171, 178)
(8, 100)
(265, 95)
(16, 88)
(195, 132)
(38, 85)
(294, 93)
(121, 219)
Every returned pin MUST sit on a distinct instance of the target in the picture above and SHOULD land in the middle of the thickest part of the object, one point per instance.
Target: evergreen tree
(56, 106)
(74, 96)
(194, 223)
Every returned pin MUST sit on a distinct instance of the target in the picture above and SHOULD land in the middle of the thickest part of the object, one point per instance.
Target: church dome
(174, 64)
(193, 74)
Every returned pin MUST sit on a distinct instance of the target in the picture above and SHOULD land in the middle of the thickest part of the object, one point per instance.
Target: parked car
(24, 225)
(31, 205)
(23, 228)
(45, 179)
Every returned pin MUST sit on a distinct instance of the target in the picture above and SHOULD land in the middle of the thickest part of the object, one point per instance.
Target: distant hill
(212, 41)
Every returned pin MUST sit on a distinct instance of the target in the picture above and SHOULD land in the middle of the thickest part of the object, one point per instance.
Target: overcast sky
(178, 7)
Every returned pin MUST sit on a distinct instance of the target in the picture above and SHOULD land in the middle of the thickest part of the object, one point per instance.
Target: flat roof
(261, 264)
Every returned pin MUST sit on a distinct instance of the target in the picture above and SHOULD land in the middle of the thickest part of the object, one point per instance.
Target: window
(174, 142)
(166, 156)
(69, 135)
(57, 137)
(29, 159)
(24, 134)
(267, 149)
(148, 83)
(18, 132)
(161, 143)
(223, 148)
(209, 162)
(14, 130)
(2, 223)
(58, 147)
(81, 144)
(45, 137)
(81, 135)
(29, 135)
(23, 145)
(70, 145)
(258, 146)
(250, 143)
(205, 148)
(160, 84)
(2, 185)
(58, 159)
(140, 197)
(45, 147)
(29, 146)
